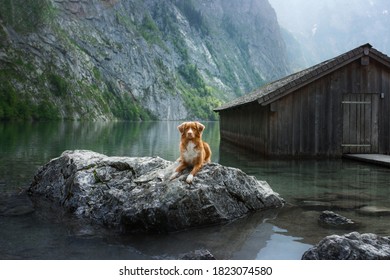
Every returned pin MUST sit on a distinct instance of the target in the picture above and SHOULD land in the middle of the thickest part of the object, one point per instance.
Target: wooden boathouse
(336, 107)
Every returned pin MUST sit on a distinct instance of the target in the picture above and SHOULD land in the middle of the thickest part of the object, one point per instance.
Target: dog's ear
(182, 127)
(200, 126)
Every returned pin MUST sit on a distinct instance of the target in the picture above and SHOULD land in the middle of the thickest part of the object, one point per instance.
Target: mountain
(325, 29)
(133, 59)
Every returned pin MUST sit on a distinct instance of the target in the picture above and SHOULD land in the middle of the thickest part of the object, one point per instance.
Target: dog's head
(191, 130)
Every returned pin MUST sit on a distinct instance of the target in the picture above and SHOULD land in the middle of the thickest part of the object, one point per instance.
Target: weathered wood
(340, 112)
(360, 118)
(374, 121)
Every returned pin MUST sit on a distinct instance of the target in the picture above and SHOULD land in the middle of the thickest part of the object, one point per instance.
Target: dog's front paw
(190, 178)
(173, 176)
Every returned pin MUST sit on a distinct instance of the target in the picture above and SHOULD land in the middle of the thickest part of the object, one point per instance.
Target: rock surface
(330, 219)
(134, 194)
(202, 254)
(352, 246)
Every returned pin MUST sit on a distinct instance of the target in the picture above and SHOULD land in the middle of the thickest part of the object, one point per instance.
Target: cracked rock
(134, 193)
(351, 246)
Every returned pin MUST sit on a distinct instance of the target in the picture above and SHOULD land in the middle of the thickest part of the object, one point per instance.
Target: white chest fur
(191, 152)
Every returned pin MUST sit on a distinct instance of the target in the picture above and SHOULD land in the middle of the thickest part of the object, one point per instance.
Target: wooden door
(360, 123)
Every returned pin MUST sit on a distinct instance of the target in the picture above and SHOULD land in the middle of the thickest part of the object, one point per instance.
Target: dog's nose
(190, 133)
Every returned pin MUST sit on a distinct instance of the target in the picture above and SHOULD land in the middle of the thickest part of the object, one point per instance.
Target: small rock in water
(201, 254)
(351, 246)
(330, 219)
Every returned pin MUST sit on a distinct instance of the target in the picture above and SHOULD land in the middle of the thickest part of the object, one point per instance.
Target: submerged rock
(134, 193)
(352, 246)
(15, 204)
(374, 211)
(330, 219)
(202, 254)
(334, 201)
(314, 205)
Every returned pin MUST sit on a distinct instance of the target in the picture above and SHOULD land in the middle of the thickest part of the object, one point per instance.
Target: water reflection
(311, 186)
(282, 247)
(26, 146)
(247, 238)
(308, 186)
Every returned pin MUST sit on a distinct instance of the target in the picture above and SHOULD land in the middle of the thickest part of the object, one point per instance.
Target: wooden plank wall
(309, 121)
(246, 126)
(384, 112)
(360, 122)
(301, 124)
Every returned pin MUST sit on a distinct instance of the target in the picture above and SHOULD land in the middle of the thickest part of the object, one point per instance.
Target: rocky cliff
(116, 59)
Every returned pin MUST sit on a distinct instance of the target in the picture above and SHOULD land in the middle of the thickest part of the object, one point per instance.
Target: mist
(327, 28)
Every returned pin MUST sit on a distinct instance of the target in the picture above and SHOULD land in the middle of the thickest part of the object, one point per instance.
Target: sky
(302, 15)
(336, 26)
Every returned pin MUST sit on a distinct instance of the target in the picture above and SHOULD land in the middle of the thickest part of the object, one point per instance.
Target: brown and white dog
(193, 150)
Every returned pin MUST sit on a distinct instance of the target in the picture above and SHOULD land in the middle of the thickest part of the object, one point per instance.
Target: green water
(308, 186)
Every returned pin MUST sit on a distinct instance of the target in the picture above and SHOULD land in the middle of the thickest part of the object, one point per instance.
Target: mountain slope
(113, 59)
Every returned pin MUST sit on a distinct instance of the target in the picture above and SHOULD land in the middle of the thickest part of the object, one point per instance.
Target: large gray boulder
(135, 194)
(351, 246)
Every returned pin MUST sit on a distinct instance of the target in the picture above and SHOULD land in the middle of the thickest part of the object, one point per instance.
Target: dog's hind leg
(207, 150)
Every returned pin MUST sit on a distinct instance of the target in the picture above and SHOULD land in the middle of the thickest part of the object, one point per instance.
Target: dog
(194, 152)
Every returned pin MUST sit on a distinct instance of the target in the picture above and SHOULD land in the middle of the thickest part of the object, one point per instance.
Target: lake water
(308, 186)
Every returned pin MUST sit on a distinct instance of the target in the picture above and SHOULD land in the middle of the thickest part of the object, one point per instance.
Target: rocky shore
(135, 194)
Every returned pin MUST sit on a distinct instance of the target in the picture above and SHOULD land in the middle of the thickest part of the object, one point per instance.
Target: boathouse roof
(277, 89)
